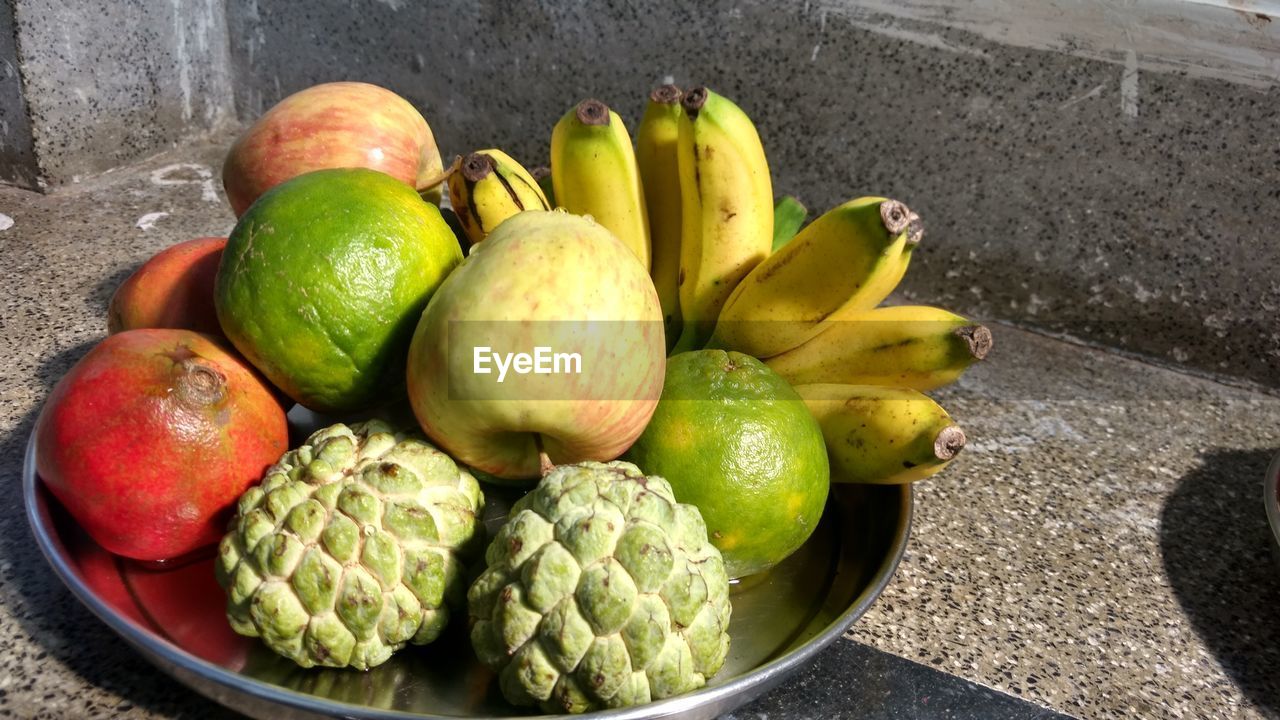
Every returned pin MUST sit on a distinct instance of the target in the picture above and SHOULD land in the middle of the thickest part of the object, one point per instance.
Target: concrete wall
(104, 83)
(17, 147)
(1105, 172)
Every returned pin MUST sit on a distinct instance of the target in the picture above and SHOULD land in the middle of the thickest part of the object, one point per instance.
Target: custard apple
(351, 546)
(601, 591)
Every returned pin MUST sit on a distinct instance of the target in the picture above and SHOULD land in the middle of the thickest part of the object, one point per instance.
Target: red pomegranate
(174, 289)
(150, 439)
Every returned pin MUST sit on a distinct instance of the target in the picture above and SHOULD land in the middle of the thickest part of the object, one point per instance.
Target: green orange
(734, 439)
(323, 280)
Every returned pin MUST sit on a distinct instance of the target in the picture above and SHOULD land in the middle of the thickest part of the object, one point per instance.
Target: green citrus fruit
(323, 280)
(734, 439)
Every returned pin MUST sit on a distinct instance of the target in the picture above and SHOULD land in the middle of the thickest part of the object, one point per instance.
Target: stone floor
(1099, 549)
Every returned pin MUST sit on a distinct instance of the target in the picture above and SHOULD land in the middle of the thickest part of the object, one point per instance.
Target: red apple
(174, 289)
(333, 125)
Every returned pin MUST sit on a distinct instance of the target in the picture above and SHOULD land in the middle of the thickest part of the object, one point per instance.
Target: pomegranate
(174, 289)
(150, 439)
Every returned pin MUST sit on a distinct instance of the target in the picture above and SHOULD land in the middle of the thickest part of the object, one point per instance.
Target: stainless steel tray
(1271, 501)
(172, 614)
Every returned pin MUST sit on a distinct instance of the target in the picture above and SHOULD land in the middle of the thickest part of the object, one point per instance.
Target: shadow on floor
(100, 298)
(1217, 549)
(60, 628)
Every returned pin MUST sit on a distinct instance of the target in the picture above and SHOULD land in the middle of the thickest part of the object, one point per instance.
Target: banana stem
(666, 95)
(949, 443)
(694, 100)
(476, 166)
(915, 229)
(592, 112)
(895, 216)
(431, 183)
(977, 339)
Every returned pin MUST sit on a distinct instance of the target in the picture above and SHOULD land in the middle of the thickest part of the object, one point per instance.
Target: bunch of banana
(488, 187)
(594, 172)
(734, 271)
(810, 312)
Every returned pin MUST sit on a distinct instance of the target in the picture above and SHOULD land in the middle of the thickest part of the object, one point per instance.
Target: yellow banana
(489, 187)
(910, 346)
(843, 263)
(726, 206)
(593, 171)
(882, 435)
(656, 139)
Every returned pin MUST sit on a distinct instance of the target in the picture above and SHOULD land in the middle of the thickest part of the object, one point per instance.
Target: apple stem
(545, 465)
(431, 183)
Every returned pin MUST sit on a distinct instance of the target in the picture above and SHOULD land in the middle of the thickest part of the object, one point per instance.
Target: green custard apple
(601, 591)
(351, 546)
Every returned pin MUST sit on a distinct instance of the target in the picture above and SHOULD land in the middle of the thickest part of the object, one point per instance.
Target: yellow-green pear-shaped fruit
(545, 344)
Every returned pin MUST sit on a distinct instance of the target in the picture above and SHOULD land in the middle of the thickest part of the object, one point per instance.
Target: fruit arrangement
(669, 362)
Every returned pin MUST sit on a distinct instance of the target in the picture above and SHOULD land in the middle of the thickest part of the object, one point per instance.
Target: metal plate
(173, 615)
(1271, 500)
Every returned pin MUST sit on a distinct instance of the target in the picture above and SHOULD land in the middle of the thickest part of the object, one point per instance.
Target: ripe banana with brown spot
(843, 263)
(488, 187)
(909, 346)
(882, 435)
(656, 144)
(594, 172)
(726, 206)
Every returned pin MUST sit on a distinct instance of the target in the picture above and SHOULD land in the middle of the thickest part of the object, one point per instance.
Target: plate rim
(1271, 498)
(177, 662)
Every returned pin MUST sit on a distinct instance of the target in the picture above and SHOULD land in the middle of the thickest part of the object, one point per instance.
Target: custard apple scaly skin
(601, 591)
(351, 546)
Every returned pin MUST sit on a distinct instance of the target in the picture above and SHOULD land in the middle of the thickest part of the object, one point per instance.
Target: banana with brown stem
(656, 147)
(882, 435)
(726, 205)
(488, 187)
(909, 346)
(843, 263)
(594, 172)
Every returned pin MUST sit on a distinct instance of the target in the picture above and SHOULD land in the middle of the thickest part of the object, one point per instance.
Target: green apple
(548, 340)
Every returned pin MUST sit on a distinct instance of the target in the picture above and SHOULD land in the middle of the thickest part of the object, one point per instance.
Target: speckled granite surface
(1101, 546)
(1100, 549)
